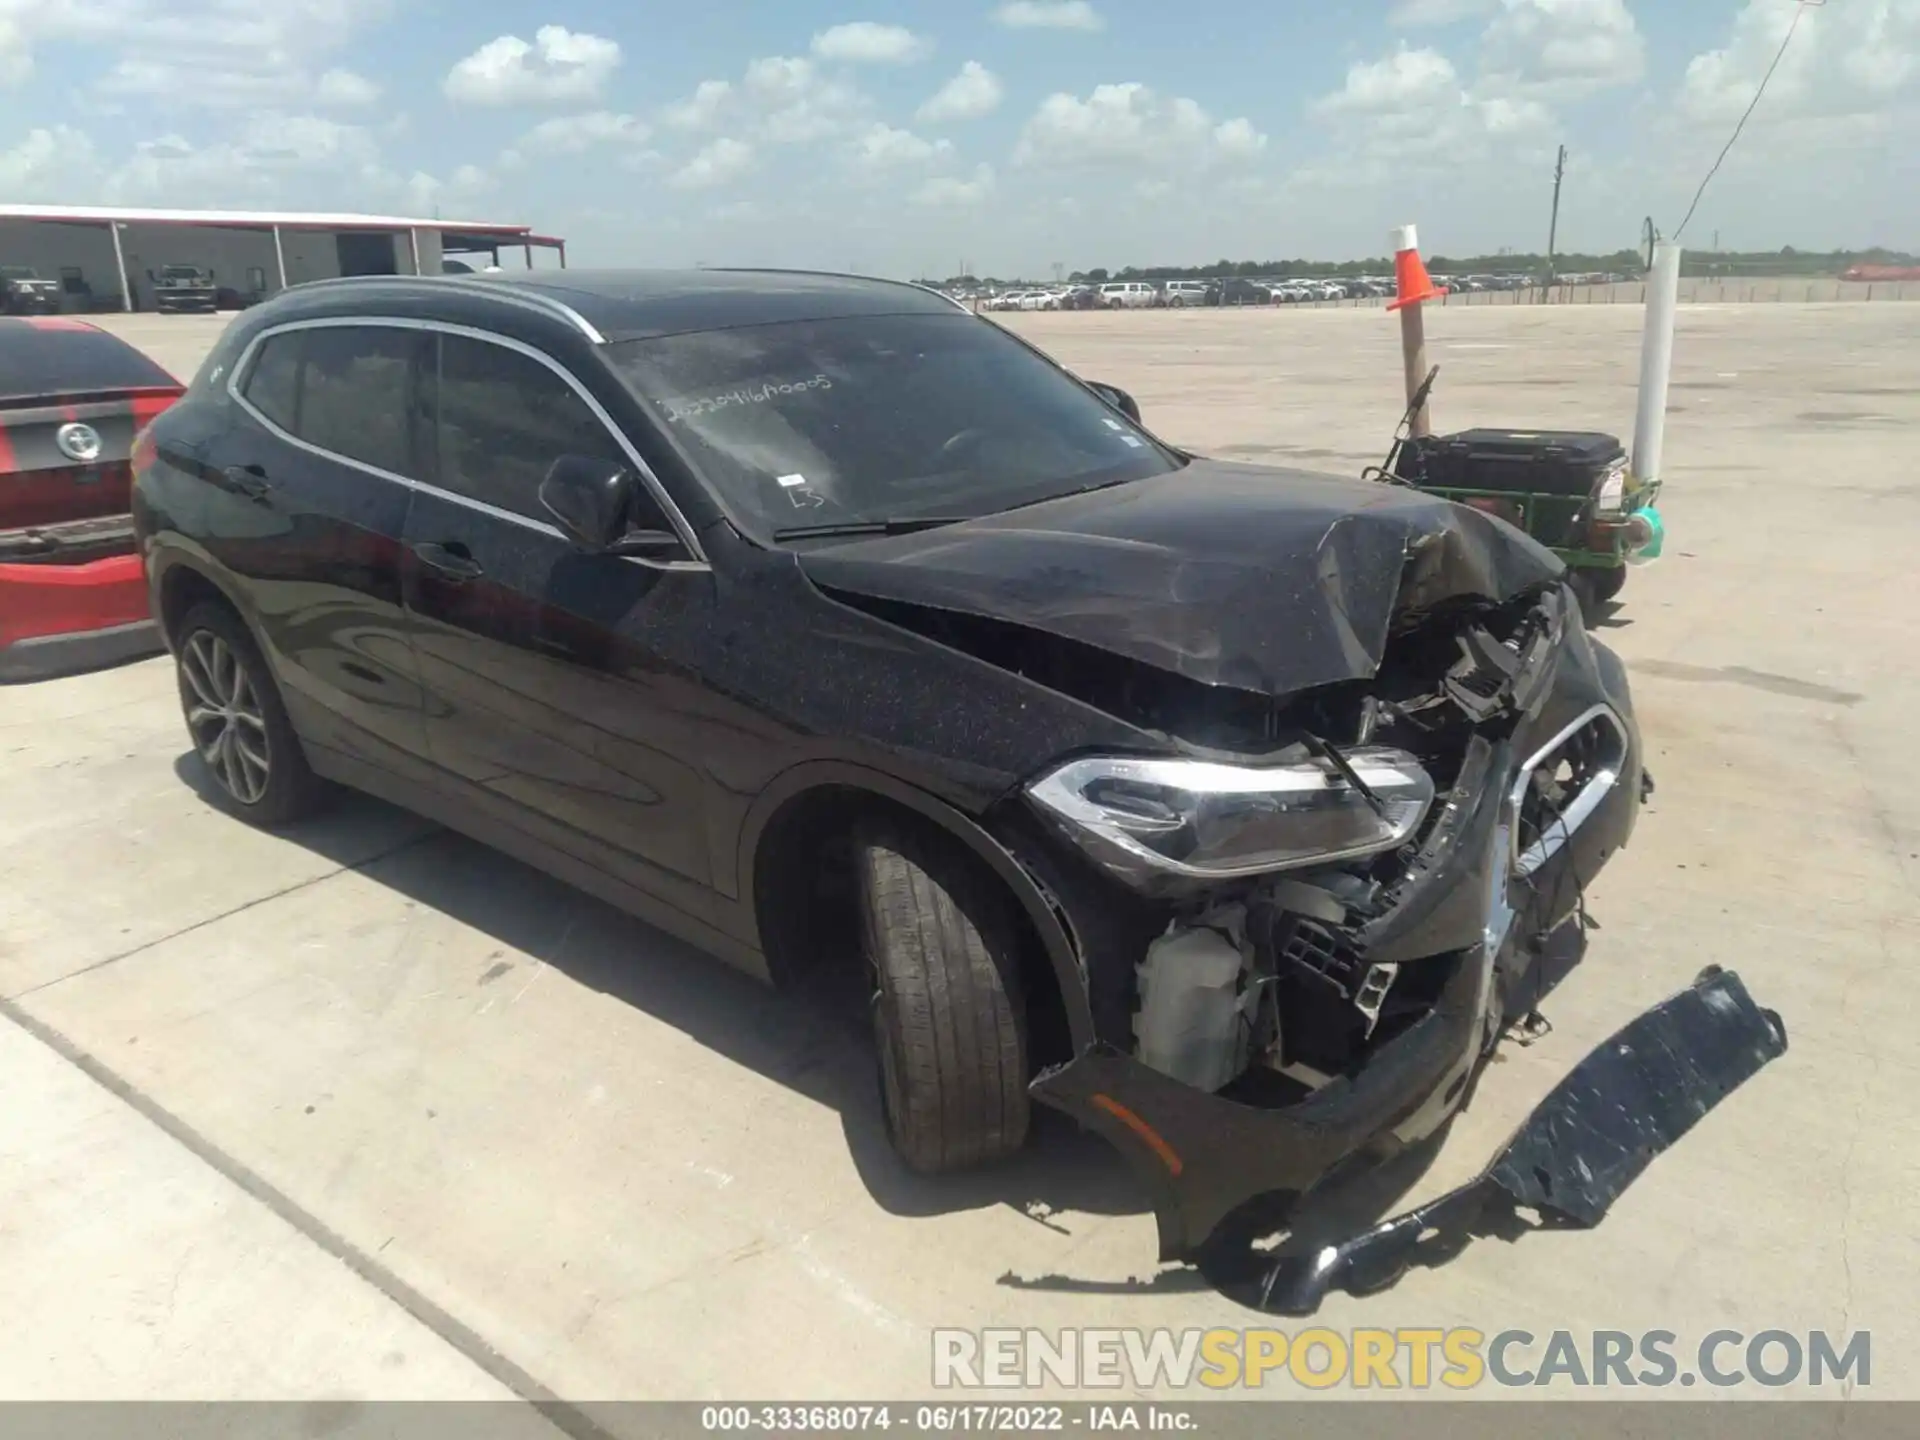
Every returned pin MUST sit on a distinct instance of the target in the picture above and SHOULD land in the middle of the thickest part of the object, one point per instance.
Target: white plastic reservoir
(1189, 1021)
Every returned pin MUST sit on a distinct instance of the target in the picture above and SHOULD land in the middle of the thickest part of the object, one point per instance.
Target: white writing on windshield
(755, 393)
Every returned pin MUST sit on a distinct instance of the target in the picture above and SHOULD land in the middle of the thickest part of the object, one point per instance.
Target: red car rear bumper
(55, 619)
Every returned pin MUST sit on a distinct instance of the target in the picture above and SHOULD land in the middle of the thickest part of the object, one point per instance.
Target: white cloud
(1413, 106)
(576, 134)
(779, 100)
(951, 191)
(701, 109)
(795, 103)
(973, 92)
(1567, 47)
(883, 147)
(16, 57)
(865, 43)
(45, 165)
(1405, 80)
(190, 54)
(559, 66)
(427, 194)
(344, 90)
(1130, 124)
(719, 162)
(1049, 15)
(1848, 60)
(270, 158)
(571, 134)
(1238, 138)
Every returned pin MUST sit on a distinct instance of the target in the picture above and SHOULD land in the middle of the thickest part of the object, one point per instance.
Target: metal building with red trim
(106, 258)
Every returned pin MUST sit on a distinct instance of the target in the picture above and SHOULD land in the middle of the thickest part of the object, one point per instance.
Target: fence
(1703, 291)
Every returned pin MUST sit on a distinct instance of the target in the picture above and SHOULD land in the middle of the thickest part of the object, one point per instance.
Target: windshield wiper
(868, 527)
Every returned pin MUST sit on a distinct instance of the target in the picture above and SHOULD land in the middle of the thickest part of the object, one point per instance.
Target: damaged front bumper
(1203, 1155)
(1487, 885)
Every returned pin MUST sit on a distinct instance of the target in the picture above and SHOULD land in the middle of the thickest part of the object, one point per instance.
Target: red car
(73, 400)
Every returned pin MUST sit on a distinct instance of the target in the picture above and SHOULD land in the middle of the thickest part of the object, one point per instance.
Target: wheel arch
(794, 790)
(181, 586)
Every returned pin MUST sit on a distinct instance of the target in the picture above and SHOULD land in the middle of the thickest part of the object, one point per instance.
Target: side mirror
(1118, 399)
(597, 504)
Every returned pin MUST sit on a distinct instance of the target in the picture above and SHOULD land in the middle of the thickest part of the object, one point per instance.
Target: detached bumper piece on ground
(1622, 1106)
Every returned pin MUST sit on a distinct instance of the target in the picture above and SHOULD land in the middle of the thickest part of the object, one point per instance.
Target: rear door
(545, 701)
(307, 505)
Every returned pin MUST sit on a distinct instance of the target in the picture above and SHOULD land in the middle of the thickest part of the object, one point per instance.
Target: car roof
(641, 304)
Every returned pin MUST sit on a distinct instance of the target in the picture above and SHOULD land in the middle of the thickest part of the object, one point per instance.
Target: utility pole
(1553, 226)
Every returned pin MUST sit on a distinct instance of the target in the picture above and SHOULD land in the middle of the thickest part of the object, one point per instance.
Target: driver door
(546, 708)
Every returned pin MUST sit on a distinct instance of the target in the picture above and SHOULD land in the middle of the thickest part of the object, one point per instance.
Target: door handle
(248, 480)
(452, 560)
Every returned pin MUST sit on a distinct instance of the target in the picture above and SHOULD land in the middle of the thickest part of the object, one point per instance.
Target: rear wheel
(948, 1012)
(238, 724)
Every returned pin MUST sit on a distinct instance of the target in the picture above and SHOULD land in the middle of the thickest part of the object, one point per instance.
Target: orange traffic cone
(1410, 276)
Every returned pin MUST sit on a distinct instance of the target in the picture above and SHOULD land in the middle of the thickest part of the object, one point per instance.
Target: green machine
(1569, 490)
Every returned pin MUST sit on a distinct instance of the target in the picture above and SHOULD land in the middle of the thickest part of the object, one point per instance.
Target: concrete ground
(370, 1111)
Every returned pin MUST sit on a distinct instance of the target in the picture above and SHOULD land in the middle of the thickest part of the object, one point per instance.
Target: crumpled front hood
(1267, 580)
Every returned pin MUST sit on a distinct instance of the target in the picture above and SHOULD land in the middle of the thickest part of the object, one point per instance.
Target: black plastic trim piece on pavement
(42, 657)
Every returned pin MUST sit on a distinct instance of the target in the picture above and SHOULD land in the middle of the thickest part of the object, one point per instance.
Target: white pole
(1656, 361)
(120, 264)
(280, 256)
(413, 239)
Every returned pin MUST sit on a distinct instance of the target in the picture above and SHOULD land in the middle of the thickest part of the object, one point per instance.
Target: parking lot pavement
(568, 1143)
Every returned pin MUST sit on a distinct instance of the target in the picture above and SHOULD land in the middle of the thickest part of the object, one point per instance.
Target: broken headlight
(1153, 820)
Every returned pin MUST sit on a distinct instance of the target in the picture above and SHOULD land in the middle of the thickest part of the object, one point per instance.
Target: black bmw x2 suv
(821, 623)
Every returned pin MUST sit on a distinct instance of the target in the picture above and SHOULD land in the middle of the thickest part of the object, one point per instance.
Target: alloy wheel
(223, 713)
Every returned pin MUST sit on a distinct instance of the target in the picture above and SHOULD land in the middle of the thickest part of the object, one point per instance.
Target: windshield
(17, 272)
(179, 272)
(880, 419)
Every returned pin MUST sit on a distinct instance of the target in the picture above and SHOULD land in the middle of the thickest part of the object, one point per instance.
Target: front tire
(948, 1012)
(238, 724)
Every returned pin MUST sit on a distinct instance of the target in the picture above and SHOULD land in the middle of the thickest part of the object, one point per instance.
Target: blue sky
(904, 138)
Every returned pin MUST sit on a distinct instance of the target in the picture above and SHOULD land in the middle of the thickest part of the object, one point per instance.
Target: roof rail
(837, 275)
(474, 285)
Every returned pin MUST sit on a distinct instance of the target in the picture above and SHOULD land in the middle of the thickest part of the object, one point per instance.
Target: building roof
(286, 219)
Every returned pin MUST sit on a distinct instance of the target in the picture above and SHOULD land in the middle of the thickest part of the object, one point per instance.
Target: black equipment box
(1534, 462)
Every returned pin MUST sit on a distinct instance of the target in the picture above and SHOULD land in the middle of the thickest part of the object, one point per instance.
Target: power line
(1800, 9)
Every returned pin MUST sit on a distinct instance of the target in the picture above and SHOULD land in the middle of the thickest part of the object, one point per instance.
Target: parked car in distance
(185, 290)
(73, 399)
(1128, 295)
(25, 291)
(1236, 291)
(1181, 293)
(824, 624)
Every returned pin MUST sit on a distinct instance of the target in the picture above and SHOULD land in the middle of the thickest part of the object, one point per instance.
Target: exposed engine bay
(1285, 975)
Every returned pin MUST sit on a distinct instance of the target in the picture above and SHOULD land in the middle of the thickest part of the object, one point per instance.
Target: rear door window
(356, 394)
(272, 384)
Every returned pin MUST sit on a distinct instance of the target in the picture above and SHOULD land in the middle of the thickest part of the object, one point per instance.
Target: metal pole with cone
(1414, 288)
